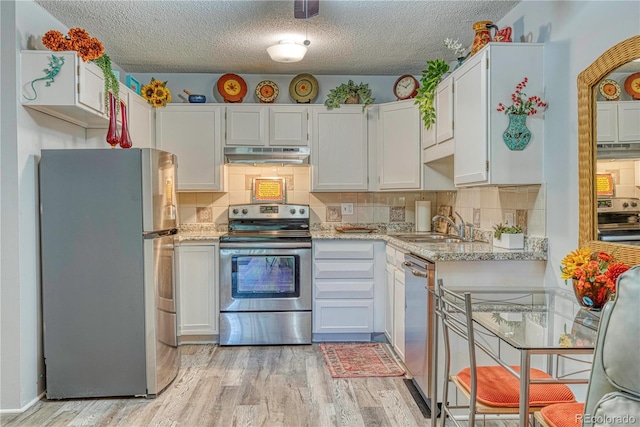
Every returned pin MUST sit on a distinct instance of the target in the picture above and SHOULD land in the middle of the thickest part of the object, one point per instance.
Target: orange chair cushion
(563, 414)
(497, 387)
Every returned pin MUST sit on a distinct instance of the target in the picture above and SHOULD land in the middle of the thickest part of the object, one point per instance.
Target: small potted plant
(508, 237)
(349, 93)
(427, 90)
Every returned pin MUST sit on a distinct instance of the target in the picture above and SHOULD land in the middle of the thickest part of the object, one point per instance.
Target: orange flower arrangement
(88, 48)
(594, 275)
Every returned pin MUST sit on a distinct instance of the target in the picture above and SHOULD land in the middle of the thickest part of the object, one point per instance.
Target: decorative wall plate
(303, 88)
(232, 87)
(267, 91)
(632, 85)
(609, 89)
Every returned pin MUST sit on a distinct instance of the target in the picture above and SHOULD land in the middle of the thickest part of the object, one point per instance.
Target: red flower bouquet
(521, 103)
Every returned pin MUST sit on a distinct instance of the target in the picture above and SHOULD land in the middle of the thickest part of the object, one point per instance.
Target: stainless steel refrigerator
(107, 228)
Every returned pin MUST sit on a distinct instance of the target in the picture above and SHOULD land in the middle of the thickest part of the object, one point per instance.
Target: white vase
(509, 241)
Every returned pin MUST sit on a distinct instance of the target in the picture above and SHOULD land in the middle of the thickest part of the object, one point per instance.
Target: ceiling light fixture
(287, 51)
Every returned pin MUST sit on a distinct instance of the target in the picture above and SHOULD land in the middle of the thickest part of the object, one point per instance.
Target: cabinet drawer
(342, 250)
(343, 269)
(343, 316)
(344, 289)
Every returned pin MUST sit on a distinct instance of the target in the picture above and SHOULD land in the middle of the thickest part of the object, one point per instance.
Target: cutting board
(443, 226)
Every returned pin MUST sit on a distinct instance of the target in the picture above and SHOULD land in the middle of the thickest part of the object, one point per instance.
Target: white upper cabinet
(444, 110)
(398, 149)
(339, 149)
(481, 156)
(628, 121)
(618, 121)
(607, 122)
(75, 94)
(142, 126)
(438, 140)
(193, 133)
(261, 125)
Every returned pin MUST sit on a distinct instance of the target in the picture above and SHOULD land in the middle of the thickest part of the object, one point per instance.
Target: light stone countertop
(467, 251)
(535, 248)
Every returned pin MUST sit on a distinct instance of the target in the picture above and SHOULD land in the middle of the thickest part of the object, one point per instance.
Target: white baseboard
(24, 408)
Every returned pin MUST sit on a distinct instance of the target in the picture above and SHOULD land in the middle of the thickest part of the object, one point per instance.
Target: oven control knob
(302, 211)
(293, 211)
(235, 211)
(634, 204)
(625, 205)
(244, 211)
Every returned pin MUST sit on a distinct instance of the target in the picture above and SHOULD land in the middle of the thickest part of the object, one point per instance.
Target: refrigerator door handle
(161, 233)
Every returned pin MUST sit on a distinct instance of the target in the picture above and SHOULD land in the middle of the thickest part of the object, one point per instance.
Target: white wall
(24, 133)
(575, 34)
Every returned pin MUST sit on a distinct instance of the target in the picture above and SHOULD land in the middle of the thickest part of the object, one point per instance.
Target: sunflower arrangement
(156, 93)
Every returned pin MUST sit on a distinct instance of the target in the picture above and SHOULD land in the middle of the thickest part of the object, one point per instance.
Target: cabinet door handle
(418, 273)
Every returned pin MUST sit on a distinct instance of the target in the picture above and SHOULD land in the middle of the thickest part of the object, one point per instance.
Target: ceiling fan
(303, 9)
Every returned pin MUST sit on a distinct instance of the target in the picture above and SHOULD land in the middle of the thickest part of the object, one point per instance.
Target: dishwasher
(419, 318)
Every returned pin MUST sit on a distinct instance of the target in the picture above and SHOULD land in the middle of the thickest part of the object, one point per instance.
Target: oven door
(265, 276)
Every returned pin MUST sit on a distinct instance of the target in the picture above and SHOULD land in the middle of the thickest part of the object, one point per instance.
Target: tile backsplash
(483, 206)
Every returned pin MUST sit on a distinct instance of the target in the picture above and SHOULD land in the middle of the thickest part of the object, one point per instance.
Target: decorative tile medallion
(334, 214)
(204, 214)
(396, 213)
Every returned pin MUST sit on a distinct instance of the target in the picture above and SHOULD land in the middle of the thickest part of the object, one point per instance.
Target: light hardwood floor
(245, 386)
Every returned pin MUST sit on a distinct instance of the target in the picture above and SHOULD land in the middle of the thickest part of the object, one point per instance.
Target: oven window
(264, 276)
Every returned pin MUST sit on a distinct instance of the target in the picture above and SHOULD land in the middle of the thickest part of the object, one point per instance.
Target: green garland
(427, 91)
(111, 83)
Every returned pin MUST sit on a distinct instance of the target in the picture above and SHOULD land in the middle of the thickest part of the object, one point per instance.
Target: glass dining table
(546, 322)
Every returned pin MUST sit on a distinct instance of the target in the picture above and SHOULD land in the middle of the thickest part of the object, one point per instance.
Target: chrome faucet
(459, 229)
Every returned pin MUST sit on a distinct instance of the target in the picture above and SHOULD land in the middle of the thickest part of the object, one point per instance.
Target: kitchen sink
(429, 238)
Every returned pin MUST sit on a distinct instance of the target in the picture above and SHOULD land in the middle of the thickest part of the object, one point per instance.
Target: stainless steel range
(265, 276)
(619, 220)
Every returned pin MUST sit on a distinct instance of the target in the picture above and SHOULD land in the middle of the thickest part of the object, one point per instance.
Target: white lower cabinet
(398, 313)
(395, 299)
(197, 290)
(345, 288)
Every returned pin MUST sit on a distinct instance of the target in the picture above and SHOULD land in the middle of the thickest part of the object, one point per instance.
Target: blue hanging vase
(517, 135)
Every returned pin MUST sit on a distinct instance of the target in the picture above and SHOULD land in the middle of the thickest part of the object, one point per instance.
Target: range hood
(266, 155)
(620, 150)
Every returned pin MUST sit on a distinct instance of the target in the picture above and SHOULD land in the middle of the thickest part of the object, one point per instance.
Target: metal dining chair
(489, 389)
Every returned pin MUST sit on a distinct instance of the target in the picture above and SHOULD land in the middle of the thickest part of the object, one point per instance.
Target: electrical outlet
(347, 208)
(508, 218)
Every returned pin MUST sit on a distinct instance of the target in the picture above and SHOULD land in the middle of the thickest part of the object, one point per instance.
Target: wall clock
(232, 87)
(406, 87)
(609, 89)
(632, 85)
(267, 91)
(303, 88)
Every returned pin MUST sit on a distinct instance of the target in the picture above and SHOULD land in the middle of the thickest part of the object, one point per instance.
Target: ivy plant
(427, 90)
(340, 94)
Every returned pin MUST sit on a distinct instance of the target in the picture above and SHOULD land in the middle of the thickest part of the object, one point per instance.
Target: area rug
(359, 360)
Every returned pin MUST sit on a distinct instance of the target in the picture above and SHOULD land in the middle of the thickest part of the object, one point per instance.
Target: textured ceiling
(347, 37)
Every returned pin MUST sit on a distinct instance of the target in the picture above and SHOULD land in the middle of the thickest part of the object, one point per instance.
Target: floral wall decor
(89, 49)
(156, 93)
(517, 135)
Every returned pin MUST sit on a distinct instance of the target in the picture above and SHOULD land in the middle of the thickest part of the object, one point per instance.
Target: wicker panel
(588, 80)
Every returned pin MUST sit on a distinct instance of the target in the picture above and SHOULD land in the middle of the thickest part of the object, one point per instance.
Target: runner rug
(360, 360)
